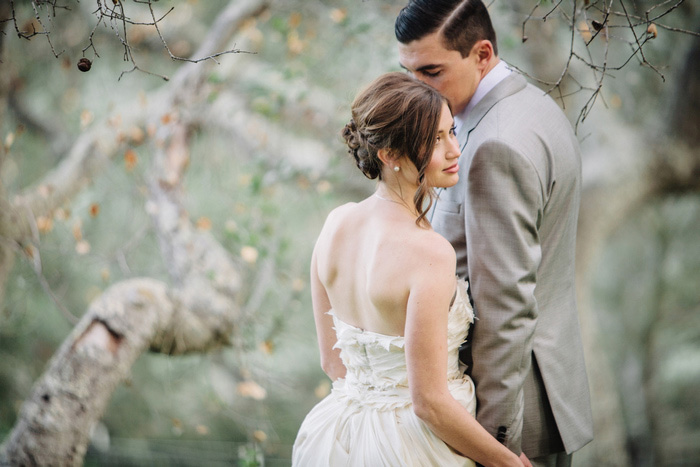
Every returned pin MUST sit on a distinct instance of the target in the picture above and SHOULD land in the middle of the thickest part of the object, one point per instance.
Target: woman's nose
(454, 146)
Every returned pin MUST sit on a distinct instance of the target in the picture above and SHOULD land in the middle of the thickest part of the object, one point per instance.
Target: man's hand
(526, 462)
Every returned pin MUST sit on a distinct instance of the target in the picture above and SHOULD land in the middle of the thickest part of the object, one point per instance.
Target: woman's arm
(330, 358)
(431, 289)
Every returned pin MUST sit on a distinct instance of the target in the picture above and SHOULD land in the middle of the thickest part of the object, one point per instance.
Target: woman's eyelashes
(452, 131)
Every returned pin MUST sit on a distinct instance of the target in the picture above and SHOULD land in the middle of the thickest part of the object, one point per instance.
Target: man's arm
(503, 208)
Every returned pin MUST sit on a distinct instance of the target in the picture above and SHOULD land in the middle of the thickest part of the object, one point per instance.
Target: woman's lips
(452, 169)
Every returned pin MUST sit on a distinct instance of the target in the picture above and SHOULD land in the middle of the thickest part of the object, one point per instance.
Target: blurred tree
(197, 307)
(195, 313)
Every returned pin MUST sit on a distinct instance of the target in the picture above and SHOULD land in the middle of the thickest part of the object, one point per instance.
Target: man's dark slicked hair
(461, 23)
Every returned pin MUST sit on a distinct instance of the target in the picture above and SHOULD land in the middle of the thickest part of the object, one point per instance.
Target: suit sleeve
(503, 208)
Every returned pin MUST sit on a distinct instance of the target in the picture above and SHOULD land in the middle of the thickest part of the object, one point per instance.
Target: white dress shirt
(492, 78)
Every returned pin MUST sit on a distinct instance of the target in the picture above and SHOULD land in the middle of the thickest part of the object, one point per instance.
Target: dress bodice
(377, 362)
(368, 418)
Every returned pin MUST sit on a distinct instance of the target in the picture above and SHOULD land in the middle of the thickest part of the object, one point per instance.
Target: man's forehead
(424, 54)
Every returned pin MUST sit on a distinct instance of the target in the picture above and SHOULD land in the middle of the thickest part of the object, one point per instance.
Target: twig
(175, 57)
(116, 18)
(35, 260)
(640, 46)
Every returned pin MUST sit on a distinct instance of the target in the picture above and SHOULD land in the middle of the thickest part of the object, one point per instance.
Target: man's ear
(484, 51)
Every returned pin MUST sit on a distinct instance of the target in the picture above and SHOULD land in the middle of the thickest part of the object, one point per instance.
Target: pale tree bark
(7, 256)
(196, 315)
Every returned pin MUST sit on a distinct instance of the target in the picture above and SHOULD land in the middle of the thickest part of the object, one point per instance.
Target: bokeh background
(265, 165)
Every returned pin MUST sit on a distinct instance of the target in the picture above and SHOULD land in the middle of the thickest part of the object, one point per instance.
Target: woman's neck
(397, 193)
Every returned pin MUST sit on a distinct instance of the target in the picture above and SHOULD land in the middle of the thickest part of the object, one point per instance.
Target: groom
(512, 220)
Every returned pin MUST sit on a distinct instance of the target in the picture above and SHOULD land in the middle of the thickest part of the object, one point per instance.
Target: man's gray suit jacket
(512, 220)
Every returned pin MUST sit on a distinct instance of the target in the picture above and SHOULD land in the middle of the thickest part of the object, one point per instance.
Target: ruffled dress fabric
(368, 419)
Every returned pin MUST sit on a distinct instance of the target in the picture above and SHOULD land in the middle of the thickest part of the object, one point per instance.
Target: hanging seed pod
(652, 31)
(84, 64)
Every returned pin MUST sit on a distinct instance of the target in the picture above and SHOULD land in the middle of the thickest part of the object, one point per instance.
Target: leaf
(244, 179)
(294, 20)
(615, 101)
(77, 231)
(303, 182)
(252, 390)
(45, 191)
(136, 135)
(86, 118)
(9, 140)
(44, 224)
(298, 284)
(267, 347)
(249, 254)
(585, 31)
(204, 223)
(231, 226)
(324, 186)
(29, 251)
(130, 159)
(323, 389)
(338, 15)
(62, 214)
(82, 247)
(294, 43)
(115, 120)
(651, 29)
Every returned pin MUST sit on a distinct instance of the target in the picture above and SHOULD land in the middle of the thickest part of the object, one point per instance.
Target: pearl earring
(397, 168)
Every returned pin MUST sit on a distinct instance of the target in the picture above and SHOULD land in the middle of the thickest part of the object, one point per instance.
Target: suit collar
(507, 87)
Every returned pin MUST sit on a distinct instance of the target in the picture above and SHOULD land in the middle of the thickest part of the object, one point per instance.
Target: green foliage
(181, 411)
(649, 309)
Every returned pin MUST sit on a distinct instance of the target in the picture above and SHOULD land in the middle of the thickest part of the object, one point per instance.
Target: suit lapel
(509, 86)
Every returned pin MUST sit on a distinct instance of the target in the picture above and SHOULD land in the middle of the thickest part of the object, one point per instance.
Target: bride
(390, 314)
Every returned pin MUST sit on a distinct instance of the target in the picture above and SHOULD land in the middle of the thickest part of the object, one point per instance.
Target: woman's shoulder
(428, 247)
(342, 210)
(339, 214)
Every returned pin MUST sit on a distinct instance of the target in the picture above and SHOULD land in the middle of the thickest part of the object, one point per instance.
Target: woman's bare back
(368, 254)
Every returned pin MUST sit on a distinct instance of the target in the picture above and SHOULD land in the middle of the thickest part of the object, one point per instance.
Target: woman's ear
(385, 155)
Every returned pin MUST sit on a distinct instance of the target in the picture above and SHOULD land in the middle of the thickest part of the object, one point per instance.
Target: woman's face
(442, 170)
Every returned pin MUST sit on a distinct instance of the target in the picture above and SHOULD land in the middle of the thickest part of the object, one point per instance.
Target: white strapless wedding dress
(367, 420)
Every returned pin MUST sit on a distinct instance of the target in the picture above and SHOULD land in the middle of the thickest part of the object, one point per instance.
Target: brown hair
(399, 113)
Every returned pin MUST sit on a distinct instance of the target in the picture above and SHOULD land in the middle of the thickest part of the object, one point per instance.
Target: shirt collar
(488, 82)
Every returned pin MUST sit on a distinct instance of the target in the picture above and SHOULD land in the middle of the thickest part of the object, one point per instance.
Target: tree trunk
(7, 256)
(622, 174)
(197, 315)
(56, 420)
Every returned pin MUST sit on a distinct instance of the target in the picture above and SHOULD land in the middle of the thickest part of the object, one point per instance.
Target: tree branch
(130, 317)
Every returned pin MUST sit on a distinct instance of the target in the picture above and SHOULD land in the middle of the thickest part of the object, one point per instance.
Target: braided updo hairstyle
(401, 114)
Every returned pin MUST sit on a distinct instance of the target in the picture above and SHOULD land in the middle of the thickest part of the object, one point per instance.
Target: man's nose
(419, 77)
